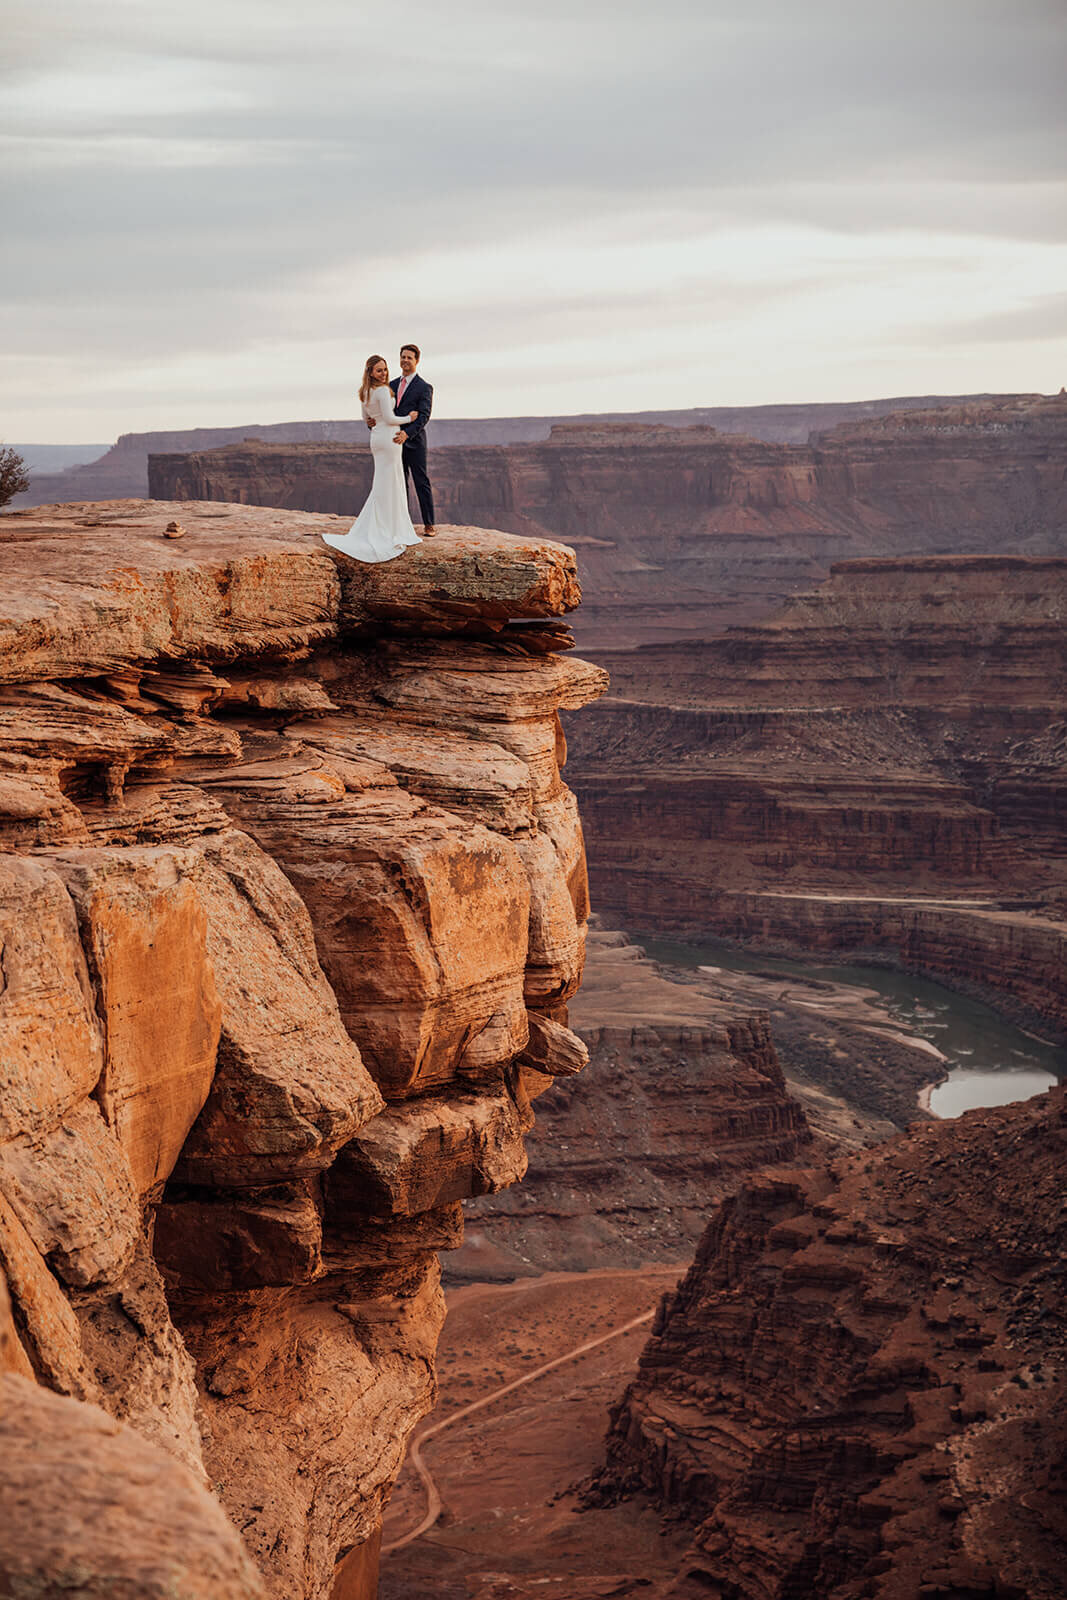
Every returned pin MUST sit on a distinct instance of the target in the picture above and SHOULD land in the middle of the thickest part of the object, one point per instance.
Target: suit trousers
(414, 458)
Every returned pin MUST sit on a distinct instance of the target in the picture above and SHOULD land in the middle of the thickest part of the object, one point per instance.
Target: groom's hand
(372, 422)
(400, 438)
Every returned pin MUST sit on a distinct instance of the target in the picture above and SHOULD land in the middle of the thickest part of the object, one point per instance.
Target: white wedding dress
(383, 528)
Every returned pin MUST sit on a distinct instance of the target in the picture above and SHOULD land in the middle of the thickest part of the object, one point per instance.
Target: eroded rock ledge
(292, 901)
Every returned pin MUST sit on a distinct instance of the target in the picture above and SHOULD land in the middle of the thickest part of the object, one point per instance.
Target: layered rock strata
(1016, 960)
(292, 901)
(123, 470)
(684, 531)
(682, 1095)
(880, 770)
(695, 1079)
(859, 1386)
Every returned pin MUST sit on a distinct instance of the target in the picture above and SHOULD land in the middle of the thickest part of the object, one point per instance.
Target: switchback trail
(433, 1497)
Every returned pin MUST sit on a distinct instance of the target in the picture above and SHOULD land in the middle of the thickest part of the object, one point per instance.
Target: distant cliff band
(683, 532)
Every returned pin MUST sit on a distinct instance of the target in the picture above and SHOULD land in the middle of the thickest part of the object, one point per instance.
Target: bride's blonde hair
(367, 385)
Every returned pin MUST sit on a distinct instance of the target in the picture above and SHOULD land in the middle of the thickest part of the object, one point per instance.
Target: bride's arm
(386, 403)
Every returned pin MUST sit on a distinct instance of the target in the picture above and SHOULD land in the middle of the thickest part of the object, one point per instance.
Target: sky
(211, 211)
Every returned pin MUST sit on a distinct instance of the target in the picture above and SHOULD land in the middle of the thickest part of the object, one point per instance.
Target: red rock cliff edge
(292, 901)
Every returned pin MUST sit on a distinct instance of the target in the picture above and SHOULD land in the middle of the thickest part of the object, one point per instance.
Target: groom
(415, 394)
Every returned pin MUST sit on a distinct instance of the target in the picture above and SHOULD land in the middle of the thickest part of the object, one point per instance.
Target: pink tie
(400, 392)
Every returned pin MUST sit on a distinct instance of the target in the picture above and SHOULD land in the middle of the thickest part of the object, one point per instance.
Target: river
(990, 1061)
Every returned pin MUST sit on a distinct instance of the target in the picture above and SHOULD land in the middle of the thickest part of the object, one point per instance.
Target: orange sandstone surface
(292, 902)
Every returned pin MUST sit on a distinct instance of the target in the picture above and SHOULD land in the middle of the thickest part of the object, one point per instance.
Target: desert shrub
(14, 479)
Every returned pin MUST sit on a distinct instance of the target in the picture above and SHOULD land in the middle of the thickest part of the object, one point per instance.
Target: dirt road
(433, 1497)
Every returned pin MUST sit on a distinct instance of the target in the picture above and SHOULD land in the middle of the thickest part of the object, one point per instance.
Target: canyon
(694, 1081)
(879, 771)
(855, 1389)
(683, 532)
(121, 470)
(297, 944)
(292, 903)
(683, 1092)
(858, 1387)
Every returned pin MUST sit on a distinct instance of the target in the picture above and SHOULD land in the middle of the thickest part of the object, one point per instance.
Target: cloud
(191, 186)
(1043, 317)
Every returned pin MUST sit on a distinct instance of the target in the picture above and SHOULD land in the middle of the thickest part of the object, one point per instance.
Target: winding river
(990, 1061)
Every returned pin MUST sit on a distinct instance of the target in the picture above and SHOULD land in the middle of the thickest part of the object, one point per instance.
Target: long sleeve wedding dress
(383, 528)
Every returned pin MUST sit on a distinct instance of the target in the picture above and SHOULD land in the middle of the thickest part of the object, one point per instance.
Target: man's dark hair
(416, 352)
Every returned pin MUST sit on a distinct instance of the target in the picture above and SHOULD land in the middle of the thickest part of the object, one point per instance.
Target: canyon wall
(292, 902)
(880, 771)
(122, 470)
(683, 1093)
(683, 532)
(859, 1387)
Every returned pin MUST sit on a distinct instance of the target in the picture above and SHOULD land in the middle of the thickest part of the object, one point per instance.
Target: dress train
(383, 528)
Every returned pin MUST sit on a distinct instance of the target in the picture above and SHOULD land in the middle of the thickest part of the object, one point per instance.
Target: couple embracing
(397, 414)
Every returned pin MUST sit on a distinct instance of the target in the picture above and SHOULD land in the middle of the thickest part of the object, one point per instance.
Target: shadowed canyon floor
(857, 1389)
(510, 1522)
(505, 1476)
(693, 1081)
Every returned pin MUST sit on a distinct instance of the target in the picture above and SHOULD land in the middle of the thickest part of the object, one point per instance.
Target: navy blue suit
(418, 396)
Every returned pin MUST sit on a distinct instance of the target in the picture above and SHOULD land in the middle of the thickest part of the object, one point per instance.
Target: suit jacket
(418, 396)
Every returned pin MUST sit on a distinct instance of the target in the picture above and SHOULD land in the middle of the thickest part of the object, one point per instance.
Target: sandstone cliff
(292, 901)
(123, 469)
(881, 770)
(685, 531)
(859, 1387)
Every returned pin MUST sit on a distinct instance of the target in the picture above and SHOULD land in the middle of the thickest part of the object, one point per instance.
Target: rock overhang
(88, 589)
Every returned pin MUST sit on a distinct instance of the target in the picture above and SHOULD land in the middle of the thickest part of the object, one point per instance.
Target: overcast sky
(213, 210)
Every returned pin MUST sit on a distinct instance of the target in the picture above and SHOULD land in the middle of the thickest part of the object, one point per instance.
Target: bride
(383, 528)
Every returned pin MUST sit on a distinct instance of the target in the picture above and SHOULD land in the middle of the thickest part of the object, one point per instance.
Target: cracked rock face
(858, 1389)
(292, 898)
